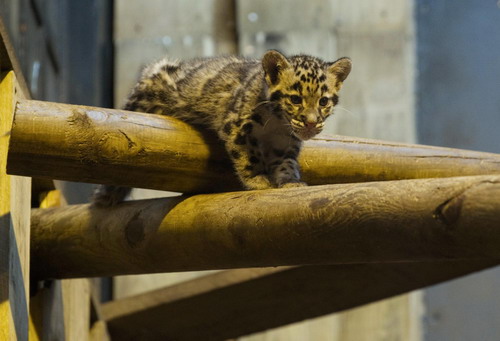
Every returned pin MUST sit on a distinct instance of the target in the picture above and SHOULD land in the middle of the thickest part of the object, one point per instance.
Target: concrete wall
(179, 29)
(458, 105)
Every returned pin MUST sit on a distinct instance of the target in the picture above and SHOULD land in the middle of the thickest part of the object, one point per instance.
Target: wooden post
(393, 221)
(15, 200)
(61, 310)
(97, 145)
(15, 203)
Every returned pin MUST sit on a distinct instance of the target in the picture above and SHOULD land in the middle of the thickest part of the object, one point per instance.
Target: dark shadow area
(11, 278)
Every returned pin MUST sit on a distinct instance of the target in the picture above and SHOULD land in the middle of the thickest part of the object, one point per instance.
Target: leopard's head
(305, 88)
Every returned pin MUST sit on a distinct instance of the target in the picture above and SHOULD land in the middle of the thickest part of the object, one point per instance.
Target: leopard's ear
(273, 64)
(340, 68)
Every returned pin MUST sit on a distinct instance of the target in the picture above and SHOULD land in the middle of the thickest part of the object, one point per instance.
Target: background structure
(457, 105)
(424, 71)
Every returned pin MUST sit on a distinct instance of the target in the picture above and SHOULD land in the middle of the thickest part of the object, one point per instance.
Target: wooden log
(99, 145)
(116, 147)
(238, 302)
(377, 222)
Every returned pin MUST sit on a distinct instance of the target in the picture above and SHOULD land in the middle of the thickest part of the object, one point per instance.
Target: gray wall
(458, 105)
(458, 93)
(64, 48)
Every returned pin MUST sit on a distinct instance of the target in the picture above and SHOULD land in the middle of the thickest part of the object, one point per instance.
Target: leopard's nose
(310, 120)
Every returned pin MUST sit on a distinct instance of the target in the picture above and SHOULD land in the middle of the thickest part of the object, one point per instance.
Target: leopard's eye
(296, 99)
(323, 101)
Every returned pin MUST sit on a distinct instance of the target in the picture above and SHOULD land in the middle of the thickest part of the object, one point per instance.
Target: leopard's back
(200, 91)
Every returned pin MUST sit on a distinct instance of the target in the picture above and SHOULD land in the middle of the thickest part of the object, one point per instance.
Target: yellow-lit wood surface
(61, 310)
(238, 302)
(15, 197)
(377, 222)
(97, 145)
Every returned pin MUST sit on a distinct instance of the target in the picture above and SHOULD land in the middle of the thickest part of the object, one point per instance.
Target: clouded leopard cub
(261, 110)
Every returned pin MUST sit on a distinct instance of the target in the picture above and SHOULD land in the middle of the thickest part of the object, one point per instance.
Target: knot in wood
(134, 231)
(449, 211)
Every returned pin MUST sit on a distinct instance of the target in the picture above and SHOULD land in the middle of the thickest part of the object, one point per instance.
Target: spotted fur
(261, 110)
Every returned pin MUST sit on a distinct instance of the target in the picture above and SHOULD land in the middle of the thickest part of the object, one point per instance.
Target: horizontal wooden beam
(377, 222)
(96, 145)
(238, 302)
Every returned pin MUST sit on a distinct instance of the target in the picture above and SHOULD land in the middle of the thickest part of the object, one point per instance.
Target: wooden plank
(14, 228)
(391, 221)
(15, 197)
(98, 327)
(61, 310)
(46, 303)
(100, 145)
(7, 320)
(232, 303)
(76, 305)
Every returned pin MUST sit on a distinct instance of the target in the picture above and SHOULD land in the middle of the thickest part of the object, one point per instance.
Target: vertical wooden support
(15, 198)
(76, 305)
(61, 311)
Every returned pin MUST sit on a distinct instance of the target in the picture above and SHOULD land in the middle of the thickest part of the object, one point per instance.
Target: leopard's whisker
(261, 103)
(346, 110)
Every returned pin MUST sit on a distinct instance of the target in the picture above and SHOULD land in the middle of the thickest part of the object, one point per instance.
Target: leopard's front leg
(285, 168)
(247, 159)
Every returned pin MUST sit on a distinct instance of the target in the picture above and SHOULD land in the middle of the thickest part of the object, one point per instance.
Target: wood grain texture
(7, 320)
(97, 145)
(76, 308)
(14, 225)
(61, 309)
(113, 145)
(238, 302)
(392, 221)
